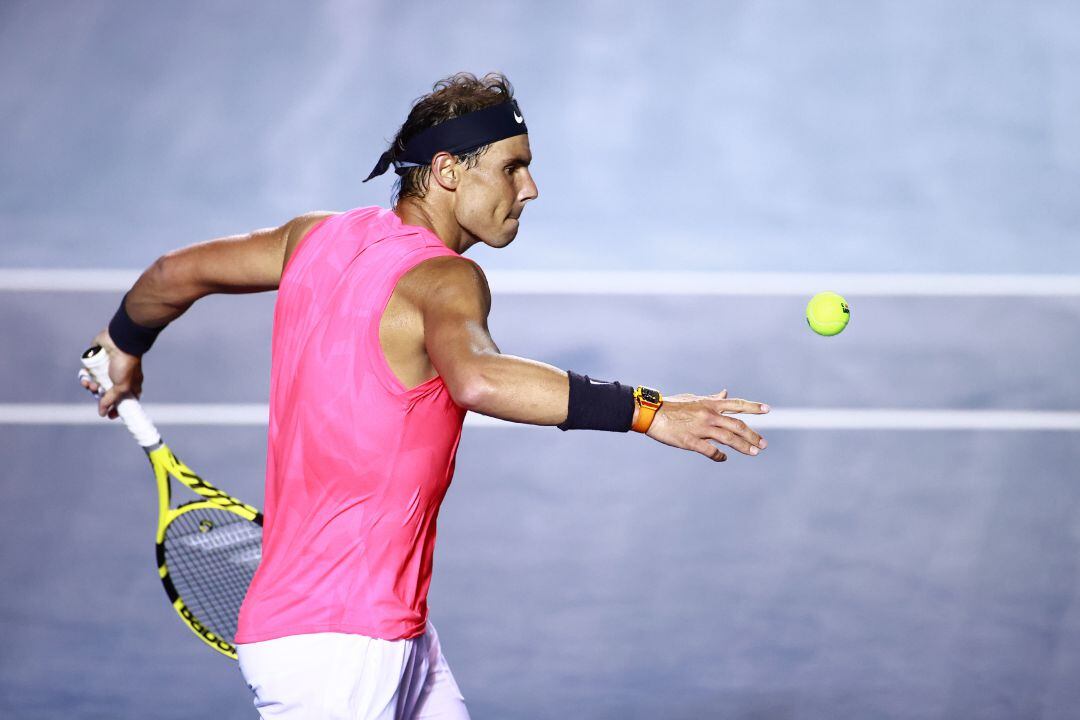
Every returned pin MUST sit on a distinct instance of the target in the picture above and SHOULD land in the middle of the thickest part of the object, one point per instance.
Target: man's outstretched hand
(126, 374)
(690, 422)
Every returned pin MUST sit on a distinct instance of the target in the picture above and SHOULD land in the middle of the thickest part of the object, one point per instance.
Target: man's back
(357, 461)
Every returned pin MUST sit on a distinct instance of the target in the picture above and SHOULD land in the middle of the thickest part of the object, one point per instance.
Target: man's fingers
(738, 427)
(738, 405)
(86, 382)
(733, 441)
(710, 451)
(107, 403)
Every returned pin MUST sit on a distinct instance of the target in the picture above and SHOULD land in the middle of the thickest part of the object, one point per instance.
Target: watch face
(650, 396)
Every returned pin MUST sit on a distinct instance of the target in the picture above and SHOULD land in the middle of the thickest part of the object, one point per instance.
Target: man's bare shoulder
(297, 228)
(447, 279)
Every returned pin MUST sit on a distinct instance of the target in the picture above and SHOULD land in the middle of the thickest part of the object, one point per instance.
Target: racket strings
(211, 556)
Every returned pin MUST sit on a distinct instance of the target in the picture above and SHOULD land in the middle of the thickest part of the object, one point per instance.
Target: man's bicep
(455, 310)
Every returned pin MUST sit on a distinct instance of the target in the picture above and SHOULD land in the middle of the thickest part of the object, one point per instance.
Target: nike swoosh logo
(518, 117)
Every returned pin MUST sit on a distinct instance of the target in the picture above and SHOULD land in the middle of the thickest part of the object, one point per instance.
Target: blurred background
(907, 547)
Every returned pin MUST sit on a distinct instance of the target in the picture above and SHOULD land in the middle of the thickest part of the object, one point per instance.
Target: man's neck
(414, 212)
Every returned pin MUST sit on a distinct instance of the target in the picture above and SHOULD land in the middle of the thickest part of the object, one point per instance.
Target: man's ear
(446, 170)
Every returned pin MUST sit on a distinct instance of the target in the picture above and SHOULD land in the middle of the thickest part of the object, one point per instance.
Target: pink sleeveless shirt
(357, 464)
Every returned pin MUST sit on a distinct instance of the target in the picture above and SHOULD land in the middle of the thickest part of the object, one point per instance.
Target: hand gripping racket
(207, 548)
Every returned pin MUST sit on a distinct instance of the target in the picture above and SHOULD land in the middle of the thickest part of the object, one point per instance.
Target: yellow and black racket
(207, 548)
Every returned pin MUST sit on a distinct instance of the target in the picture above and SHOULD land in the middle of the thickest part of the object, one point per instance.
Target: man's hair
(449, 98)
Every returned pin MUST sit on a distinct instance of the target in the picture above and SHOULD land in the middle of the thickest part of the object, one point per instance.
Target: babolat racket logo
(204, 632)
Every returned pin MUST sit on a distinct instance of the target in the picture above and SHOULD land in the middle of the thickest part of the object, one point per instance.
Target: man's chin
(509, 233)
(502, 242)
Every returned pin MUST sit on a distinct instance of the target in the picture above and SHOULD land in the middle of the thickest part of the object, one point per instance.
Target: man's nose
(530, 191)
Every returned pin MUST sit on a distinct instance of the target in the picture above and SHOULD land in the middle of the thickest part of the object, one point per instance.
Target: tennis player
(380, 346)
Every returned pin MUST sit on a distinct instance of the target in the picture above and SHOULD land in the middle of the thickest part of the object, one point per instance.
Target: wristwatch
(648, 402)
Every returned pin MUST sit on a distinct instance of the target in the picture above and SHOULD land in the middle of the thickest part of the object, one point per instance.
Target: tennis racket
(207, 548)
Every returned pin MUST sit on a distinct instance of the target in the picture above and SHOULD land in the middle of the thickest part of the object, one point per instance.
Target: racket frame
(166, 465)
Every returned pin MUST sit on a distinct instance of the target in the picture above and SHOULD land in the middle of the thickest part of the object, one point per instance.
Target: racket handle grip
(138, 423)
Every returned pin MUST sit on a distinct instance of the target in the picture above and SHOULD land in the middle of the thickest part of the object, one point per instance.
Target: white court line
(528, 282)
(255, 414)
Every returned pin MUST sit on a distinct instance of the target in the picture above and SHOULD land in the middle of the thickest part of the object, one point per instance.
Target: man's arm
(455, 309)
(236, 264)
(480, 378)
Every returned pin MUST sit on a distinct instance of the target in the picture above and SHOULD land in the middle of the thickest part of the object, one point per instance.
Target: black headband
(456, 136)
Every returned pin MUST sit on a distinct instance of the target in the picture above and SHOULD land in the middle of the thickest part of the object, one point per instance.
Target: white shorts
(338, 675)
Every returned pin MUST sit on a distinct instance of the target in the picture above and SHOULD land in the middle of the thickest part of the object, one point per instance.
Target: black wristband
(129, 336)
(598, 405)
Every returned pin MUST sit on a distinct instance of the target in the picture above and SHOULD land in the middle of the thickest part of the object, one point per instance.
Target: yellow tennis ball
(827, 313)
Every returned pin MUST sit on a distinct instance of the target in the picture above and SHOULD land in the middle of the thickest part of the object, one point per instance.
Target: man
(380, 346)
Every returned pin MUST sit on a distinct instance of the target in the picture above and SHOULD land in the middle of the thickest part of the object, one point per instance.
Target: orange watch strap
(644, 418)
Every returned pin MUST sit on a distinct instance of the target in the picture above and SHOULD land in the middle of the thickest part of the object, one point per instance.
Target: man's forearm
(521, 390)
(155, 299)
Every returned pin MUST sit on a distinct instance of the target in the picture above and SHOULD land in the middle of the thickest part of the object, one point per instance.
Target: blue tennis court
(842, 570)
